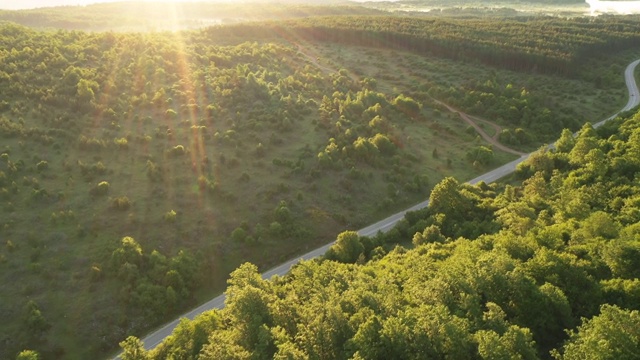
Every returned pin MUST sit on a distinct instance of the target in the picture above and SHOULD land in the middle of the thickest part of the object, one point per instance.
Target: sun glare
(32, 4)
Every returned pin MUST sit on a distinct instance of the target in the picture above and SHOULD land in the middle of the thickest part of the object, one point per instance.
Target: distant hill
(150, 16)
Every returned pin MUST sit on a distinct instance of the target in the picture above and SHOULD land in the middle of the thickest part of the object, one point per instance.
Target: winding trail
(152, 340)
(471, 120)
(314, 61)
(497, 128)
(493, 140)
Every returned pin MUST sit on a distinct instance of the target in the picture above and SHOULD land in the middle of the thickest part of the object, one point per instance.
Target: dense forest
(536, 44)
(137, 170)
(546, 269)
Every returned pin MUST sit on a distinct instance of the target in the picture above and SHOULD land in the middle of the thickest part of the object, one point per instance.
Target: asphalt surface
(152, 340)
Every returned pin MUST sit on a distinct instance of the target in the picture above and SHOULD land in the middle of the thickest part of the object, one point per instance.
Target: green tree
(36, 323)
(586, 141)
(248, 298)
(128, 252)
(614, 335)
(282, 212)
(431, 234)
(102, 188)
(407, 105)
(85, 90)
(223, 346)
(239, 235)
(623, 258)
(28, 355)
(481, 154)
(515, 343)
(347, 247)
(566, 142)
(133, 349)
(447, 199)
(189, 337)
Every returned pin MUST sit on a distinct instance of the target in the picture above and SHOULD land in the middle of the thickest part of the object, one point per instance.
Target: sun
(169, 1)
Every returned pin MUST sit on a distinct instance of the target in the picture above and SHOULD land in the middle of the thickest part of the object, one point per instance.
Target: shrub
(96, 273)
(42, 166)
(121, 143)
(177, 150)
(91, 143)
(239, 234)
(275, 228)
(40, 194)
(101, 189)
(170, 216)
(121, 203)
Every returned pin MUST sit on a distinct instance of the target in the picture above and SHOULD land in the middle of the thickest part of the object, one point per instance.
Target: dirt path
(493, 140)
(314, 61)
(497, 128)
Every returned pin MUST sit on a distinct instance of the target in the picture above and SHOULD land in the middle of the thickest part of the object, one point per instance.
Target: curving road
(155, 338)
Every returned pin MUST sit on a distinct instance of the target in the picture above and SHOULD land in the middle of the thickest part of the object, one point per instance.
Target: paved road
(152, 340)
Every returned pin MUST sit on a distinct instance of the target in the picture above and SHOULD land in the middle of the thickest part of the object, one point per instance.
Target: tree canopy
(546, 281)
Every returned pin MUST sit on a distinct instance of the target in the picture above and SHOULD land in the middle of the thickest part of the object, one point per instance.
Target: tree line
(536, 44)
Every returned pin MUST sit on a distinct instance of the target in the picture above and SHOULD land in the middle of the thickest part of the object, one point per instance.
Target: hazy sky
(30, 4)
(596, 6)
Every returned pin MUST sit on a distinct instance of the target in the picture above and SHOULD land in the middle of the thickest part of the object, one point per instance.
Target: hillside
(547, 269)
(137, 170)
(150, 17)
(161, 139)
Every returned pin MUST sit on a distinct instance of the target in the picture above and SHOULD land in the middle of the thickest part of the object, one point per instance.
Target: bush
(275, 228)
(121, 143)
(347, 248)
(121, 203)
(96, 273)
(239, 235)
(42, 166)
(101, 189)
(177, 150)
(482, 154)
(170, 216)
